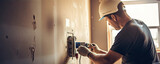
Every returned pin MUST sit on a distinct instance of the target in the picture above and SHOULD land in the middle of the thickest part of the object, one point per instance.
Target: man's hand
(94, 48)
(84, 51)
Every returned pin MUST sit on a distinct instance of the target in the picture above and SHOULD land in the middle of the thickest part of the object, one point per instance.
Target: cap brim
(101, 18)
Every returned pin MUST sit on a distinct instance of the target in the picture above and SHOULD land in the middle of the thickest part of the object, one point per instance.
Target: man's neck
(124, 21)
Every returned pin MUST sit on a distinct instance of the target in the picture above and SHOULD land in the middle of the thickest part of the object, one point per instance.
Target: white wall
(16, 17)
(71, 15)
(17, 34)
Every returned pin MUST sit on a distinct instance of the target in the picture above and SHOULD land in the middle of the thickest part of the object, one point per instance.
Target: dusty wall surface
(47, 40)
(17, 34)
(72, 16)
(42, 25)
(58, 18)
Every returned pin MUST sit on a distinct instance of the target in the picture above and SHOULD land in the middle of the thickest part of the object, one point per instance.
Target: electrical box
(71, 46)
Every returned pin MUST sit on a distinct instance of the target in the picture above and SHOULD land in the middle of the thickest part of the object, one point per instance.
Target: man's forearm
(101, 52)
(99, 58)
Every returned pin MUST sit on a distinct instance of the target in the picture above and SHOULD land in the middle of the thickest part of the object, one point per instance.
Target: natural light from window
(145, 12)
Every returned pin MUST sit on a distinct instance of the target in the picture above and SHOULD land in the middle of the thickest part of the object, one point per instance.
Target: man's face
(113, 22)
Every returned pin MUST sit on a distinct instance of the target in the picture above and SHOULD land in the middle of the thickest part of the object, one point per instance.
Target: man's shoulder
(130, 26)
(131, 29)
(134, 24)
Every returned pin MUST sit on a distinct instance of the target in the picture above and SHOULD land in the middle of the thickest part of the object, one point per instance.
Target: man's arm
(101, 52)
(108, 58)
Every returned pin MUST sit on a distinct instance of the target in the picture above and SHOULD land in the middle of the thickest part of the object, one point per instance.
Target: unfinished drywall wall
(35, 31)
(72, 16)
(58, 18)
(17, 35)
(47, 45)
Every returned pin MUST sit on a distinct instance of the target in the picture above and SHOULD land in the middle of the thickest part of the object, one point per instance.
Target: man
(133, 43)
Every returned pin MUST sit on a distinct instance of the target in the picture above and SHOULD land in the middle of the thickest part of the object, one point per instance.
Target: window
(149, 14)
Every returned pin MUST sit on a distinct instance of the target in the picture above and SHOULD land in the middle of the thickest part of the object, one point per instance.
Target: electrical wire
(80, 60)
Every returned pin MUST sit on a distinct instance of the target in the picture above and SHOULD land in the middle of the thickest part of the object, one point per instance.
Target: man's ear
(113, 17)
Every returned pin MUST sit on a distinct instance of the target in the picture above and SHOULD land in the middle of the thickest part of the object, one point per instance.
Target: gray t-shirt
(135, 43)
